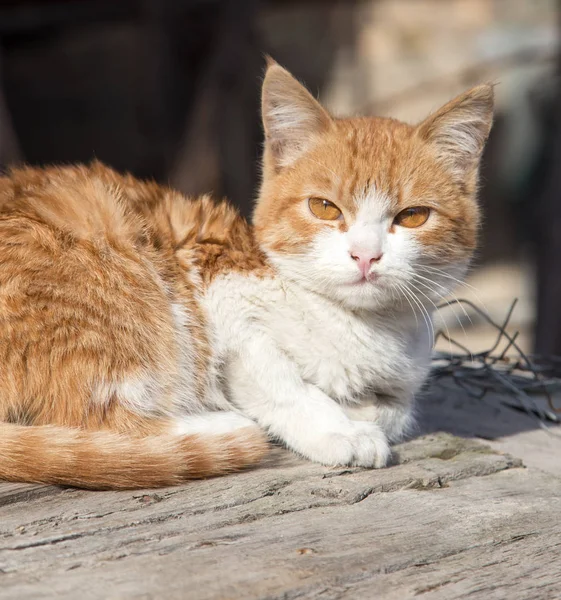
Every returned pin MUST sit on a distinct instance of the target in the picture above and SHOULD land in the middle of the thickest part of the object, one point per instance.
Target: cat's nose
(365, 259)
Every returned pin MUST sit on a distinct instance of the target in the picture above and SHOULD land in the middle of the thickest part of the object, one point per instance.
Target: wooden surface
(451, 519)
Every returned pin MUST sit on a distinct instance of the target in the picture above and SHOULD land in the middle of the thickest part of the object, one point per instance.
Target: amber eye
(323, 209)
(412, 217)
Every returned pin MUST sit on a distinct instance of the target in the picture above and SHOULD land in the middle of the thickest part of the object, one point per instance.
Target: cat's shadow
(450, 408)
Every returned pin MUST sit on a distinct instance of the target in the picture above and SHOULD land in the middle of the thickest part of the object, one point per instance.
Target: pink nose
(365, 259)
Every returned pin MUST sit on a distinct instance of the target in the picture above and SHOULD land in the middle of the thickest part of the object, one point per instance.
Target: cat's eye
(323, 209)
(412, 217)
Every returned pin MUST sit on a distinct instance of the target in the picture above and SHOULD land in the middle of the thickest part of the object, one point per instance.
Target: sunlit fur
(371, 169)
(329, 353)
(147, 338)
(104, 344)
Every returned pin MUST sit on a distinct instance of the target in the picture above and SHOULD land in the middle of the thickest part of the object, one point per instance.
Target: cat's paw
(394, 416)
(361, 444)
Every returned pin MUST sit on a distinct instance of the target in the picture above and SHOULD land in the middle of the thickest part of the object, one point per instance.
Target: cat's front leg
(265, 384)
(393, 414)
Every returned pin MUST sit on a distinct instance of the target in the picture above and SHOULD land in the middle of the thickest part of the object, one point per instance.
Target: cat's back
(46, 209)
(75, 258)
(83, 202)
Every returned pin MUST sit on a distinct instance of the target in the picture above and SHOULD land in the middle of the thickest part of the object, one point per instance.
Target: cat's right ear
(292, 117)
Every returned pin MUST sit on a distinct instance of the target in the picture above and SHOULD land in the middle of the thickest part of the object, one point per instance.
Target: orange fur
(90, 261)
(106, 460)
(339, 159)
(93, 265)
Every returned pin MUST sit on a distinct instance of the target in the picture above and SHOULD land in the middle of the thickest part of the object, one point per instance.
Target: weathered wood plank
(292, 529)
(18, 492)
(343, 549)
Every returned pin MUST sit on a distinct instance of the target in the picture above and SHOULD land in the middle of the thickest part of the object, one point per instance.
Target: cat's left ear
(459, 130)
(292, 117)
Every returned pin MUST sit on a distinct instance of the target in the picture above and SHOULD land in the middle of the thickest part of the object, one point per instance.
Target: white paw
(360, 443)
(211, 423)
(393, 416)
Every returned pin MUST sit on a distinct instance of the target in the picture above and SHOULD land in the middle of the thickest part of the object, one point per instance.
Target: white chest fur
(347, 355)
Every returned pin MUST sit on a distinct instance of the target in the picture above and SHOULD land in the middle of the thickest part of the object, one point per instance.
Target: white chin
(366, 296)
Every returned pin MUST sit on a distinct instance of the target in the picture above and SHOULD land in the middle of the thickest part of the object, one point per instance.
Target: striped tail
(103, 460)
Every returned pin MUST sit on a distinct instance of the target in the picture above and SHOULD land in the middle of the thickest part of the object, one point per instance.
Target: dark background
(169, 90)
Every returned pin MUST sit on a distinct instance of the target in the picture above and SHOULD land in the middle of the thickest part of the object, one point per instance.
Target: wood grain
(450, 519)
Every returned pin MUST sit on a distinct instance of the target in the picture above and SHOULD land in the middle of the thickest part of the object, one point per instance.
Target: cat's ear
(460, 129)
(292, 117)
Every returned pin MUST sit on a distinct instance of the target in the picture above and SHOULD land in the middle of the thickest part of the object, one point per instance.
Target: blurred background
(169, 89)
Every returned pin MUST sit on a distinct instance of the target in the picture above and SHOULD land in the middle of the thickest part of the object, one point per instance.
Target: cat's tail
(105, 460)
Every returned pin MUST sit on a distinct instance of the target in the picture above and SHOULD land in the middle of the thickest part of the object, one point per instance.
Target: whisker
(436, 308)
(409, 301)
(442, 296)
(429, 268)
(434, 271)
(424, 313)
(441, 273)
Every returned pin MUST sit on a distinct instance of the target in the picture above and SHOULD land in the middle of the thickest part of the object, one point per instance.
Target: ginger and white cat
(147, 338)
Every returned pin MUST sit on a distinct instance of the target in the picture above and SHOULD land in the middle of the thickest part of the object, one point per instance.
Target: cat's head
(369, 211)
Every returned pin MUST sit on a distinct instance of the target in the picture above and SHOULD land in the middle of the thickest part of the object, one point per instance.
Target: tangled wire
(504, 368)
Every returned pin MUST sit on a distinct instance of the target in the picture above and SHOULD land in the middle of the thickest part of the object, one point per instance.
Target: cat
(148, 338)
